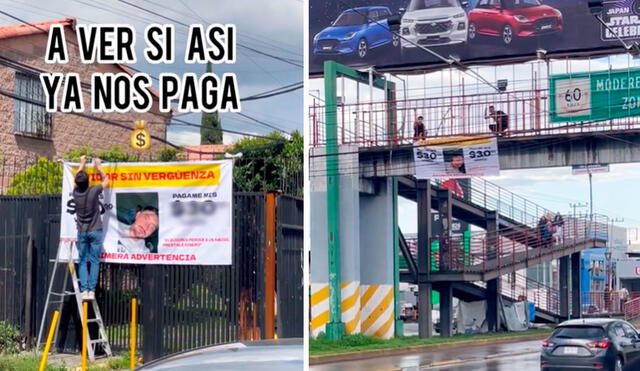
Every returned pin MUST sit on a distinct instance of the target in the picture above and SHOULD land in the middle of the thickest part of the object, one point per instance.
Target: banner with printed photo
(456, 158)
(158, 213)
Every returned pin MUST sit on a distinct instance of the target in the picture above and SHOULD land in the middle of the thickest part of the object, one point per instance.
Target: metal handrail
(528, 112)
(508, 246)
(632, 309)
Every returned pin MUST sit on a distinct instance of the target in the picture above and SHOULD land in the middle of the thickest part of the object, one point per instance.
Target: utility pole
(590, 197)
(574, 206)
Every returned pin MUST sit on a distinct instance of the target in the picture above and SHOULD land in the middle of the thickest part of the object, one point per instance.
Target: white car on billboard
(433, 23)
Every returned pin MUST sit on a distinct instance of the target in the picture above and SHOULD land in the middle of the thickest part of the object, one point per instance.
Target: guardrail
(483, 251)
(603, 302)
(632, 309)
(491, 196)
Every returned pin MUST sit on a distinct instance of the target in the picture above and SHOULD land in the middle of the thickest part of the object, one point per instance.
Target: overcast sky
(273, 26)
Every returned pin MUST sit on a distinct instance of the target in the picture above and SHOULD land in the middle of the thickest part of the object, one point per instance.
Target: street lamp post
(607, 256)
(607, 293)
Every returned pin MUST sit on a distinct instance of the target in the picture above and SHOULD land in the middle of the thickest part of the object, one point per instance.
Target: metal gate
(290, 222)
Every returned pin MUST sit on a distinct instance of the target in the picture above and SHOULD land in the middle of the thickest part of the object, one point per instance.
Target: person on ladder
(89, 225)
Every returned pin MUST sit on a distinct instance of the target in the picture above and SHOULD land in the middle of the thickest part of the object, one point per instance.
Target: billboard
(454, 158)
(356, 32)
(158, 213)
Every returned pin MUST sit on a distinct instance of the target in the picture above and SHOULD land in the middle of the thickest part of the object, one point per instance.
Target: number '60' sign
(573, 95)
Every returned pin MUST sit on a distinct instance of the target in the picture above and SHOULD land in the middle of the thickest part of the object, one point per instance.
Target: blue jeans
(89, 248)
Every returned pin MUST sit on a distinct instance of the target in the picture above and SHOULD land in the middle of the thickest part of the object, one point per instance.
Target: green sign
(595, 96)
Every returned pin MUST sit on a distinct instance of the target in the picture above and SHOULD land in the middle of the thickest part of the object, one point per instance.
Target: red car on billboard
(513, 19)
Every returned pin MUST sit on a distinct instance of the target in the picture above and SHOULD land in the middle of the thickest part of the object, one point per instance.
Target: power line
(282, 59)
(16, 65)
(274, 92)
(117, 124)
(186, 123)
(261, 122)
(264, 95)
(201, 18)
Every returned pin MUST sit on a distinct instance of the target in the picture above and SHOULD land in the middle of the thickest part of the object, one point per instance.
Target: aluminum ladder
(57, 298)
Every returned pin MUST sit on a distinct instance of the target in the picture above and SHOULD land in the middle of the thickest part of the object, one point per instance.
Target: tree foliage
(45, 177)
(211, 125)
(113, 154)
(273, 164)
(169, 154)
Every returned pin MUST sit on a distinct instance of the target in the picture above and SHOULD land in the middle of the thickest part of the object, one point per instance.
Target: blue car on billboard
(355, 32)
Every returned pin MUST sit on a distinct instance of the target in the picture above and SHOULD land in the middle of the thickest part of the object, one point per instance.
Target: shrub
(9, 339)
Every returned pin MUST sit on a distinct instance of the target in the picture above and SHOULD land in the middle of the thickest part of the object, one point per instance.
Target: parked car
(432, 23)
(513, 19)
(282, 354)
(591, 344)
(355, 32)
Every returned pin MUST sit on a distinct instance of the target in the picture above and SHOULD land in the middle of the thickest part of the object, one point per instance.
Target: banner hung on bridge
(357, 33)
(158, 213)
(451, 158)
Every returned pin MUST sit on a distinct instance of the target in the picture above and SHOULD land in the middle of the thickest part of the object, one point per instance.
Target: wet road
(522, 356)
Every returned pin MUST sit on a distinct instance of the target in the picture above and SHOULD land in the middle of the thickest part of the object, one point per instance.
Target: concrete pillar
(493, 286)
(425, 323)
(563, 275)
(445, 219)
(493, 305)
(376, 261)
(576, 290)
(446, 309)
(492, 238)
(349, 241)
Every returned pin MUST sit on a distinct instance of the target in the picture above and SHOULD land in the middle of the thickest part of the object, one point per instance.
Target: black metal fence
(289, 268)
(180, 307)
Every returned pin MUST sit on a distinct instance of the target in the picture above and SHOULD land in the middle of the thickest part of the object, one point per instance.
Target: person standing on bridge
(89, 225)
(501, 121)
(558, 223)
(419, 132)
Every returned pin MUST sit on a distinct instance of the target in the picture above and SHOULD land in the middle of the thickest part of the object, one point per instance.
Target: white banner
(158, 213)
(456, 158)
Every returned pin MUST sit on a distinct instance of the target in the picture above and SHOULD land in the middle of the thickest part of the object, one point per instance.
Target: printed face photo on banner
(154, 213)
(137, 215)
(362, 33)
(456, 158)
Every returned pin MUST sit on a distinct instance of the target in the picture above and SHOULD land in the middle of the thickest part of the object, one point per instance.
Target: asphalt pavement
(520, 356)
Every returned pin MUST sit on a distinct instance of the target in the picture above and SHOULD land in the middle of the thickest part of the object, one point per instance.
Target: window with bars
(30, 118)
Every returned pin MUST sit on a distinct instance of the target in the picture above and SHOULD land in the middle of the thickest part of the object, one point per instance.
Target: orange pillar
(270, 266)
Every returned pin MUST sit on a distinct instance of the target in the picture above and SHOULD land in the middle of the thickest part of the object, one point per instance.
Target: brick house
(27, 130)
